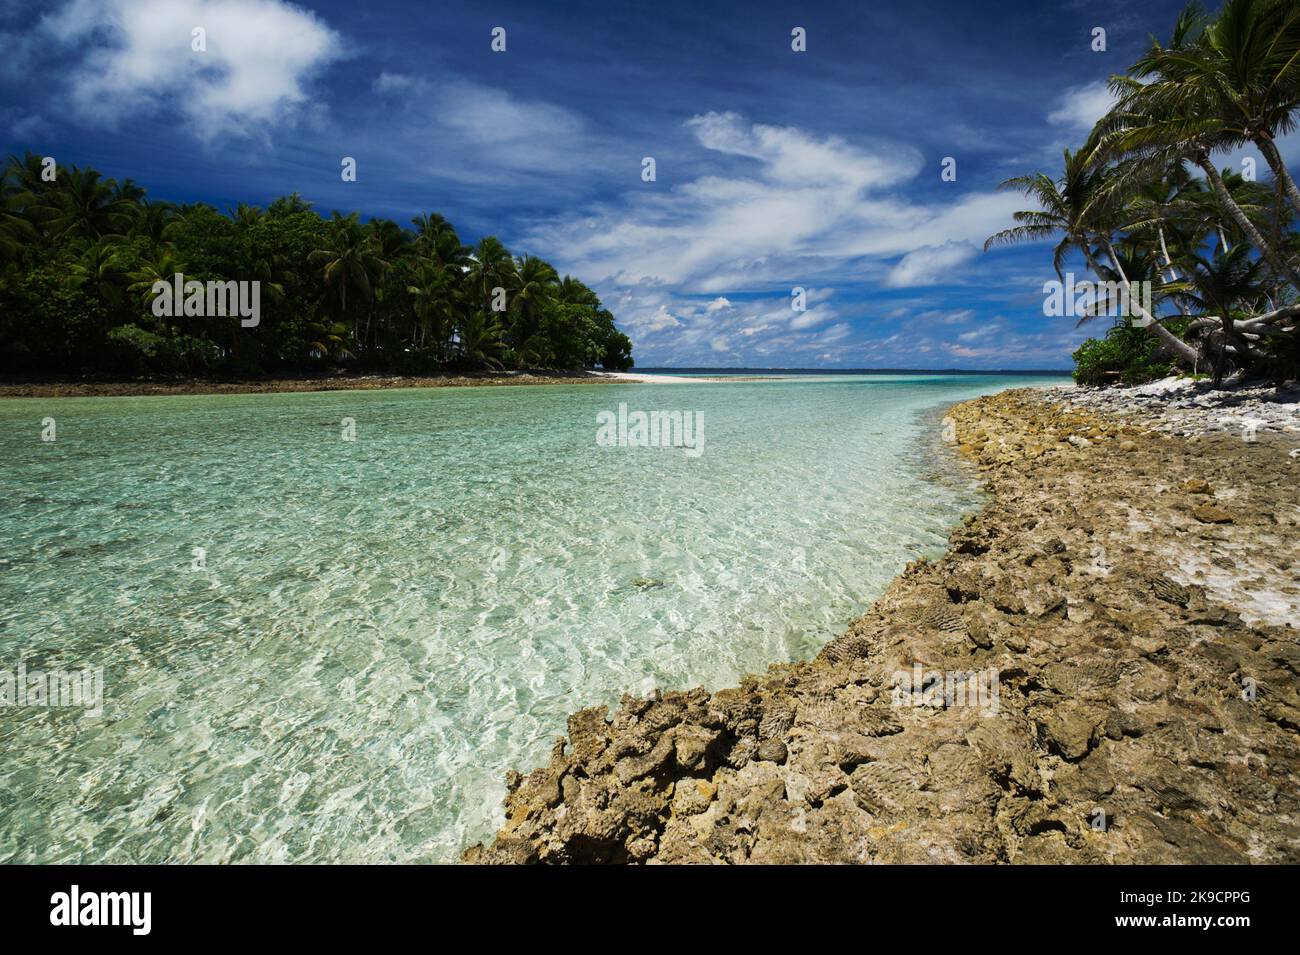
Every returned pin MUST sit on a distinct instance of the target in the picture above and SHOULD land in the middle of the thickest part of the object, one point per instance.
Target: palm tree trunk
(1164, 249)
(1239, 216)
(1114, 262)
(1167, 338)
(1274, 160)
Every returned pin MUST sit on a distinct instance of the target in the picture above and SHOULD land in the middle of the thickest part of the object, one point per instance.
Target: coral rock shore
(1137, 595)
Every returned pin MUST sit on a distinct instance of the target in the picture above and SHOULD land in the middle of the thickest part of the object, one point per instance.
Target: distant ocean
(887, 372)
(322, 647)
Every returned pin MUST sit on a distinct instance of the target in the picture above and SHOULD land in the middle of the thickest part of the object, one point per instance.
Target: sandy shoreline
(1135, 594)
(657, 379)
(198, 386)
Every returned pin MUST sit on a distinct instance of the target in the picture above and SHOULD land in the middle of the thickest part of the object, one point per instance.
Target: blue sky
(775, 169)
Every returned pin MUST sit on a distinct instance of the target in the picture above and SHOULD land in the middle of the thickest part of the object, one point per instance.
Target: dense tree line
(80, 255)
(1144, 201)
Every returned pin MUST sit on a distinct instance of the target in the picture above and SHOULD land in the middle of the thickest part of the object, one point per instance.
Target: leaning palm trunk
(1167, 338)
(1274, 160)
(1164, 250)
(1239, 216)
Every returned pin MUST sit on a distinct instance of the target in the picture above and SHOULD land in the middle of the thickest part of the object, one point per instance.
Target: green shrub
(1126, 355)
(1281, 360)
(138, 351)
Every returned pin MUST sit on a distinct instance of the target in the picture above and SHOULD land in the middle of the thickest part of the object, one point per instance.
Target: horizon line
(860, 371)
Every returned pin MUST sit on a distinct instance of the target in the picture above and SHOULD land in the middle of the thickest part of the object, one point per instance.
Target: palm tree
(491, 267)
(1238, 71)
(573, 292)
(149, 220)
(245, 216)
(288, 205)
(439, 245)
(347, 261)
(391, 243)
(100, 267)
(1080, 208)
(1219, 288)
(1201, 209)
(19, 182)
(1178, 102)
(328, 340)
(433, 305)
(108, 246)
(479, 337)
(16, 230)
(391, 240)
(535, 285)
(1150, 208)
(161, 266)
(86, 205)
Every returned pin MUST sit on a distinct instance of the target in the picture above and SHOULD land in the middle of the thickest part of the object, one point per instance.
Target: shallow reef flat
(1136, 593)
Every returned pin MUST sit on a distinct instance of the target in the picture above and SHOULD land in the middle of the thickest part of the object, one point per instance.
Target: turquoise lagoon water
(384, 626)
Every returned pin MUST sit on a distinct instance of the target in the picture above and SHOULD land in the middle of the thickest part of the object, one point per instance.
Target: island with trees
(80, 255)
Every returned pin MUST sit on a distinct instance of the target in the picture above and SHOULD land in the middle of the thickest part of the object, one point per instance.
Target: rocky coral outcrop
(1188, 407)
(1136, 595)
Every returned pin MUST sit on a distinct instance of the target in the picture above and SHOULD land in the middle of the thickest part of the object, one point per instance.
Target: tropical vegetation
(1143, 201)
(80, 253)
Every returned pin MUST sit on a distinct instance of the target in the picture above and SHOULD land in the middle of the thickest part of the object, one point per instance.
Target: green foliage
(137, 350)
(79, 257)
(1124, 355)
(1143, 201)
(1281, 361)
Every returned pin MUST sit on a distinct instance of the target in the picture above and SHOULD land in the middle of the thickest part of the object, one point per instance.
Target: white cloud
(261, 56)
(1081, 106)
(940, 316)
(393, 83)
(783, 208)
(993, 344)
(816, 315)
(492, 117)
(480, 133)
(670, 329)
(28, 127)
(791, 156)
(657, 322)
(932, 265)
(808, 209)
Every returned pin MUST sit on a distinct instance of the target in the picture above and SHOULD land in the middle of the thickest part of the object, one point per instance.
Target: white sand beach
(652, 379)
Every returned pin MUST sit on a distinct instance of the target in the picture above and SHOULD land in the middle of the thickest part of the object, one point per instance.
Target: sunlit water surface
(386, 625)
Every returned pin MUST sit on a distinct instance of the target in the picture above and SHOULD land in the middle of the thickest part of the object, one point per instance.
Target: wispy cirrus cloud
(463, 131)
(807, 207)
(791, 208)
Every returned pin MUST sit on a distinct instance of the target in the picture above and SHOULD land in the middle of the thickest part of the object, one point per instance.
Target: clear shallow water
(384, 626)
